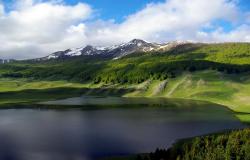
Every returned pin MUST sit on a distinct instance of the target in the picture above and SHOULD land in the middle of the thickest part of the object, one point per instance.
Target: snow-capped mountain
(114, 52)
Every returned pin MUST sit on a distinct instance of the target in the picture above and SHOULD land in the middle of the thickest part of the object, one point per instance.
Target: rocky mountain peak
(138, 42)
(114, 52)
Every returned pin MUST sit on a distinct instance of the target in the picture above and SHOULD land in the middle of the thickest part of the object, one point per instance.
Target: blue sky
(244, 5)
(119, 8)
(34, 28)
(109, 9)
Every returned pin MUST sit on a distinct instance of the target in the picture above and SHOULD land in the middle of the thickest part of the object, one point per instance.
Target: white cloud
(170, 20)
(35, 28)
(240, 34)
(39, 25)
(1, 10)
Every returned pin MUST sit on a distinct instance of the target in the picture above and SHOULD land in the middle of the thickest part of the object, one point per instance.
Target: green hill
(212, 72)
(138, 67)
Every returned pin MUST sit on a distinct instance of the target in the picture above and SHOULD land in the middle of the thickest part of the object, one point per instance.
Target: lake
(128, 126)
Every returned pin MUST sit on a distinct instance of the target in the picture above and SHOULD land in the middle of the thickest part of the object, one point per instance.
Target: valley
(179, 76)
(217, 73)
(124, 80)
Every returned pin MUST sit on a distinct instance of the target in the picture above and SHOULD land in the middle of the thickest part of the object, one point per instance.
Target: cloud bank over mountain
(34, 28)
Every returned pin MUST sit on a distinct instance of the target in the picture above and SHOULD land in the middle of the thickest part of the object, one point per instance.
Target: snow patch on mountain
(115, 51)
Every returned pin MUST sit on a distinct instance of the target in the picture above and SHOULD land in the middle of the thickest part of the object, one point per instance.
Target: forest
(232, 145)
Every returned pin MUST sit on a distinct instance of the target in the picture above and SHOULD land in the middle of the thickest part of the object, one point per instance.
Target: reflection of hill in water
(200, 109)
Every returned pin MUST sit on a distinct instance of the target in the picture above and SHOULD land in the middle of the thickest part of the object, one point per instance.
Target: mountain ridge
(119, 51)
(115, 51)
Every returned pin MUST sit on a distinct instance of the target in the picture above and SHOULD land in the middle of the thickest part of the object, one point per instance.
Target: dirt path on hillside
(177, 85)
(159, 88)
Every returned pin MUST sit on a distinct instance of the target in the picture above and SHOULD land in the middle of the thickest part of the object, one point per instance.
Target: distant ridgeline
(4, 61)
(132, 62)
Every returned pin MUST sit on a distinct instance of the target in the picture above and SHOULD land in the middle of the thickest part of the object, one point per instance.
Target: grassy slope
(15, 91)
(23, 90)
(230, 90)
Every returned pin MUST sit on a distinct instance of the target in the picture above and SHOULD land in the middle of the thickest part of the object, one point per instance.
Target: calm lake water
(139, 126)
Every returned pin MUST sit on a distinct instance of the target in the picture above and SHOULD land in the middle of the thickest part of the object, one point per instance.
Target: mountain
(114, 52)
(111, 52)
